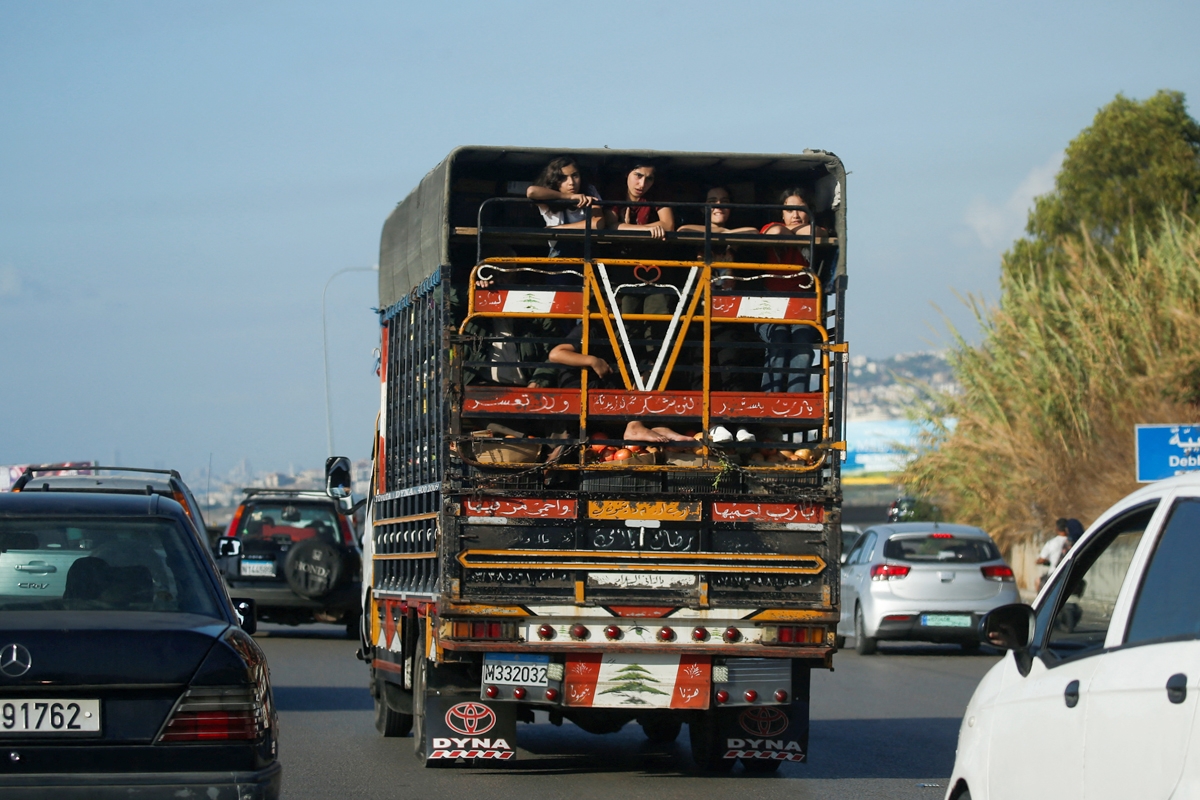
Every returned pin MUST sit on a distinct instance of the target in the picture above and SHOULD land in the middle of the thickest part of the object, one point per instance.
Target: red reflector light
(898, 618)
(732, 635)
(750, 695)
(665, 634)
(889, 572)
(722, 696)
(210, 726)
(579, 631)
(492, 692)
(519, 693)
(612, 632)
(493, 630)
(545, 632)
(780, 696)
(700, 634)
(479, 630)
(999, 572)
(787, 634)
(552, 695)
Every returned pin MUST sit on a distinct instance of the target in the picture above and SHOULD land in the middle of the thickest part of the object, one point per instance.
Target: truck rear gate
(694, 585)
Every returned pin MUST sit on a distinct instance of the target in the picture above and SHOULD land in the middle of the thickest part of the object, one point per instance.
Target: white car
(1098, 697)
(924, 581)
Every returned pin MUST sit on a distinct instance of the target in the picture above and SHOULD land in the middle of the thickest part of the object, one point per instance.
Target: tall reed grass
(1068, 364)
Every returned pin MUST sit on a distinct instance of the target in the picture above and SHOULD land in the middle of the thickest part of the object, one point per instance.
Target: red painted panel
(561, 303)
(761, 405)
(731, 307)
(768, 512)
(522, 508)
(643, 612)
(579, 679)
(616, 403)
(693, 682)
(512, 400)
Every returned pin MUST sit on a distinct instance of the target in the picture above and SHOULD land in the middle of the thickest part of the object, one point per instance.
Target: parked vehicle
(124, 480)
(123, 669)
(296, 555)
(524, 551)
(922, 581)
(1098, 696)
(850, 534)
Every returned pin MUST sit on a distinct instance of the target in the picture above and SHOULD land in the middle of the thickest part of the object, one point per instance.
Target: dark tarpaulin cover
(416, 236)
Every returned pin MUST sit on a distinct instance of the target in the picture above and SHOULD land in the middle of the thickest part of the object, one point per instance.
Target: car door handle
(1177, 688)
(1071, 695)
(37, 567)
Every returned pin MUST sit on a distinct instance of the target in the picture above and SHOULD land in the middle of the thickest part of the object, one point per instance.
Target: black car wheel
(313, 568)
(863, 645)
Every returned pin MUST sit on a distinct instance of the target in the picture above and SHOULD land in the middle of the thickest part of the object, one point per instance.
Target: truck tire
(761, 766)
(704, 735)
(420, 681)
(354, 626)
(661, 730)
(389, 723)
(863, 645)
(313, 568)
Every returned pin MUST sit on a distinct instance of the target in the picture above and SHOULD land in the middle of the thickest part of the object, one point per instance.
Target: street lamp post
(325, 344)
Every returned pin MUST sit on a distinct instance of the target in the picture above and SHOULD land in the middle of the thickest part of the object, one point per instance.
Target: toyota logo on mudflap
(764, 721)
(470, 719)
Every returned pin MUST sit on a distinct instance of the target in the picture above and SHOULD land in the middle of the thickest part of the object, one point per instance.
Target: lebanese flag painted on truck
(637, 680)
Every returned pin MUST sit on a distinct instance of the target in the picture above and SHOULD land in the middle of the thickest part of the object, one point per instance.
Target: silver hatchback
(923, 581)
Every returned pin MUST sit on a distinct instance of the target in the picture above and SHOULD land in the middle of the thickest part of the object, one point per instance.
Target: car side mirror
(247, 614)
(229, 546)
(1009, 627)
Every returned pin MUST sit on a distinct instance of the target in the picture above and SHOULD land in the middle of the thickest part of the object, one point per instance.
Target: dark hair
(795, 191)
(634, 163)
(551, 176)
(1061, 523)
(718, 186)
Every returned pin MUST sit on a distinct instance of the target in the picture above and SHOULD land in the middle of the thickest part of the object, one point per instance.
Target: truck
(524, 550)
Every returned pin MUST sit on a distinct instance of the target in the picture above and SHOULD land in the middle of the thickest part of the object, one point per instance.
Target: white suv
(1098, 697)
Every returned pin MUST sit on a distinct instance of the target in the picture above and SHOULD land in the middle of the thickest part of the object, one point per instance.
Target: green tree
(1118, 175)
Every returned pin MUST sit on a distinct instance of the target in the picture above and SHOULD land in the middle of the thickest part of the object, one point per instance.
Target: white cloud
(997, 225)
(10, 281)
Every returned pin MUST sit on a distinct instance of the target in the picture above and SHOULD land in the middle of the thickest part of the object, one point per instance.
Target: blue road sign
(1164, 451)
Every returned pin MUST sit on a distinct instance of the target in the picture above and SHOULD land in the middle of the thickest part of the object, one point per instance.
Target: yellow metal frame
(590, 289)
(637, 560)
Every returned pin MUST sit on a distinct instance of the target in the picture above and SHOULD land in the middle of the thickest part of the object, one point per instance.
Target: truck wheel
(420, 673)
(707, 748)
(389, 723)
(761, 766)
(863, 645)
(661, 730)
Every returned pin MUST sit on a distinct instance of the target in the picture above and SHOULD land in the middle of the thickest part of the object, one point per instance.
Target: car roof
(896, 528)
(37, 503)
(100, 483)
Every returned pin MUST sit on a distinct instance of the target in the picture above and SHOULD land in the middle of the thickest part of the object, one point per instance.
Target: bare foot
(637, 432)
(673, 436)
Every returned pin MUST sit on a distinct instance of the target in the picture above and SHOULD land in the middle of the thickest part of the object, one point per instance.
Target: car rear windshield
(102, 564)
(288, 523)
(940, 547)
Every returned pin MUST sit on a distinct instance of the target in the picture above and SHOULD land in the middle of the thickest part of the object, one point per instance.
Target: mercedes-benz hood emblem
(15, 660)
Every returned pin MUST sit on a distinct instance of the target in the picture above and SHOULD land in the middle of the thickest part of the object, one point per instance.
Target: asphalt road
(883, 726)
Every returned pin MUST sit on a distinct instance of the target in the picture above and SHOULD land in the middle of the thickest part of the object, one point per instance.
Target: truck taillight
(216, 714)
(792, 634)
(889, 572)
(486, 629)
(997, 572)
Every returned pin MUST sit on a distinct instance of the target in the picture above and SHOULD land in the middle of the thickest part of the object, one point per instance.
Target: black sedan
(123, 668)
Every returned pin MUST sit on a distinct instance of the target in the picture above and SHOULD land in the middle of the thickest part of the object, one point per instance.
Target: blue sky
(179, 180)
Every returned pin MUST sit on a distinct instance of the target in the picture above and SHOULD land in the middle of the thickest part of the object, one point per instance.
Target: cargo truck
(524, 551)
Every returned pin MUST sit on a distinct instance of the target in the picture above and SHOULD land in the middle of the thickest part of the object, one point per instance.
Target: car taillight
(347, 532)
(997, 572)
(889, 572)
(236, 521)
(216, 714)
(941, 536)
